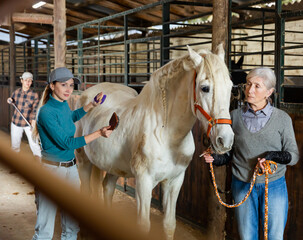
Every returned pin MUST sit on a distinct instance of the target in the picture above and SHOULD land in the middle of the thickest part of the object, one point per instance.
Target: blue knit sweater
(56, 129)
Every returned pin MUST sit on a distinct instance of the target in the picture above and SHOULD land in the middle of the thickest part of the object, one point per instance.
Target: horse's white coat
(153, 141)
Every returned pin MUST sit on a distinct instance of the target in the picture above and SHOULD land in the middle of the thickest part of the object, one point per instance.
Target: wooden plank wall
(294, 178)
(4, 108)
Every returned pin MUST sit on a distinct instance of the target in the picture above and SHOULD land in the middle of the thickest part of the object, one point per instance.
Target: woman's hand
(208, 158)
(10, 100)
(105, 132)
(33, 123)
(98, 99)
(261, 162)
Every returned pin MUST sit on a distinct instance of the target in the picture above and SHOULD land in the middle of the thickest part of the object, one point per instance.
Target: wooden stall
(121, 60)
(4, 108)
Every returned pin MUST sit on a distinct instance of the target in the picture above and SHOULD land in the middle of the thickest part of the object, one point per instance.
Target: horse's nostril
(220, 141)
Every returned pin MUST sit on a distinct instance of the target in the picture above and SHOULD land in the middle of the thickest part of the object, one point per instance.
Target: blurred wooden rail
(104, 224)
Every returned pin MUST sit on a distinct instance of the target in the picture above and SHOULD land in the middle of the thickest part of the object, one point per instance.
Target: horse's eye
(205, 88)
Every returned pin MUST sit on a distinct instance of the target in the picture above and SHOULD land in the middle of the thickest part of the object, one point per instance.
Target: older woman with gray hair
(262, 132)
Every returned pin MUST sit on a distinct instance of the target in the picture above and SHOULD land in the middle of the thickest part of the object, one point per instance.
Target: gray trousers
(46, 209)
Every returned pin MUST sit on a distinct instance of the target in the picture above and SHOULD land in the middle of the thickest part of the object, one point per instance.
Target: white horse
(153, 142)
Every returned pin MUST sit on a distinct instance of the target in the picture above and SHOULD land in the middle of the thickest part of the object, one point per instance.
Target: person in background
(262, 132)
(26, 100)
(55, 128)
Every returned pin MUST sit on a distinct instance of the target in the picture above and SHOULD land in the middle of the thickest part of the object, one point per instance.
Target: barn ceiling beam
(175, 12)
(131, 11)
(33, 18)
(72, 18)
(73, 15)
(156, 15)
(121, 8)
(10, 6)
(193, 3)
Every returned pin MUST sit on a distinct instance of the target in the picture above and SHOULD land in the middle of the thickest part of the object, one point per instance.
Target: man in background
(26, 100)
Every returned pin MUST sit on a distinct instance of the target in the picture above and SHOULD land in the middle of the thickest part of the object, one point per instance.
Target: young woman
(56, 129)
(262, 132)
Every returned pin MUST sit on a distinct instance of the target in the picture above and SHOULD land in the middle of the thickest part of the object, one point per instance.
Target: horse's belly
(171, 165)
(112, 160)
(117, 168)
(168, 171)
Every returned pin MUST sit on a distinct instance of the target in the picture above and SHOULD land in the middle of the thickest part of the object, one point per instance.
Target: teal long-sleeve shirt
(56, 129)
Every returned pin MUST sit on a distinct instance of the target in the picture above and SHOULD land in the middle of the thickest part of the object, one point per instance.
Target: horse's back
(115, 94)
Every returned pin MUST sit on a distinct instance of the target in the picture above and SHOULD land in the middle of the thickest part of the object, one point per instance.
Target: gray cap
(62, 74)
(26, 75)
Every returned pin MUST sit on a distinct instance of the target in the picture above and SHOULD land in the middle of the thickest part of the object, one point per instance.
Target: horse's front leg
(109, 185)
(171, 189)
(144, 186)
(84, 169)
(96, 180)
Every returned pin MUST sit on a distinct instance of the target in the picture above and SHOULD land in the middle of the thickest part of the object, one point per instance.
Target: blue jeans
(249, 212)
(46, 209)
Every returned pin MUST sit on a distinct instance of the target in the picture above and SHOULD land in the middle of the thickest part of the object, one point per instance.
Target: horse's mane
(169, 72)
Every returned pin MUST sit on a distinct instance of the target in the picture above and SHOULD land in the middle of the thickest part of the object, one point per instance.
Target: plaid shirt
(27, 103)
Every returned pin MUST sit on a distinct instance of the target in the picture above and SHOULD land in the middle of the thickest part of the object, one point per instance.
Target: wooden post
(219, 24)
(217, 216)
(59, 32)
(12, 58)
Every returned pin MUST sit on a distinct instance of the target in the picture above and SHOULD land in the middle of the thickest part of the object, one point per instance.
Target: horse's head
(211, 97)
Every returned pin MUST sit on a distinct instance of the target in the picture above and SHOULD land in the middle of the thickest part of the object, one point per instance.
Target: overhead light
(39, 4)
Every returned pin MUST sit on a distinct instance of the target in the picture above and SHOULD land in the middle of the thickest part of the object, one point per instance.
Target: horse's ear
(240, 62)
(220, 51)
(195, 57)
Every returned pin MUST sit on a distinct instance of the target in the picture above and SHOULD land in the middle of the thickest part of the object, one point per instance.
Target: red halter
(211, 121)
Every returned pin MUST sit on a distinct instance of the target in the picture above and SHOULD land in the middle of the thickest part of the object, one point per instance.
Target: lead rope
(266, 171)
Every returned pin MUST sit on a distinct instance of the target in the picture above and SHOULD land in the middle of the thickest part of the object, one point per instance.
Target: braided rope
(266, 207)
(252, 183)
(267, 170)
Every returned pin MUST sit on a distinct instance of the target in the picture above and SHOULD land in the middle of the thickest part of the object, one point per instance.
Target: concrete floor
(18, 210)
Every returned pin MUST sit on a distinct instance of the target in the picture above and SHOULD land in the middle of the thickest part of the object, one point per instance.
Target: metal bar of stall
(292, 14)
(126, 51)
(262, 42)
(279, 57)
(229, 32)
(36, 60)
(48, 58)
(165, 31)
(99, 51)
(253, 21)
(80, 52)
